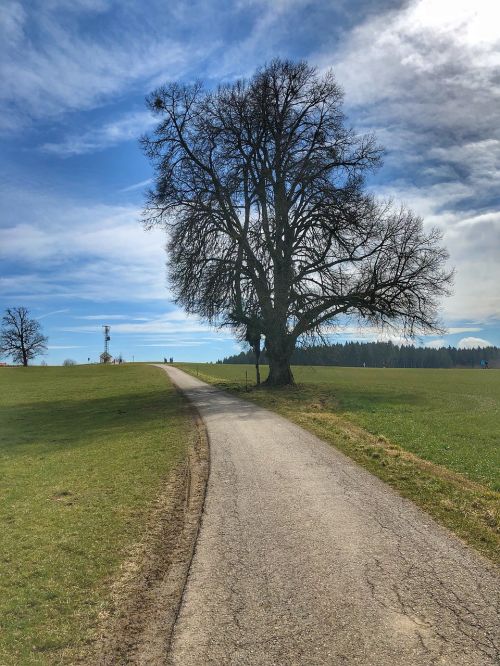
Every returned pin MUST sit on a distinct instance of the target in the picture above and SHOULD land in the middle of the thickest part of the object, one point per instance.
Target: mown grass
(83, 453)
(434, 435)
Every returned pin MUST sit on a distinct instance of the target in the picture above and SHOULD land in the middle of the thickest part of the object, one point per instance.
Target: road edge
(149, 594)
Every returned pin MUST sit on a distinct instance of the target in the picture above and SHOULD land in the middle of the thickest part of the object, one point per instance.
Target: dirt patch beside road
(147, 595)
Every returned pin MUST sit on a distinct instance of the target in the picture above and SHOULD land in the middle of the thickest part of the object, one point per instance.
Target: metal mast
(107, 338)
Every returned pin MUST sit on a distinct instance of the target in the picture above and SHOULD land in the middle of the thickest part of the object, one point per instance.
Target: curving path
(304, 558)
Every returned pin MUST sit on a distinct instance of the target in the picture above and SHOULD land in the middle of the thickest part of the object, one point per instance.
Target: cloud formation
(51, 64)
(425, 79)
(173, 322)
(421, 74)
(74, 251)
(128, 127)
(473, 343)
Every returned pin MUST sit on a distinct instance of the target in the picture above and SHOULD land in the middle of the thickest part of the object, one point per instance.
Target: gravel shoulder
(305, 558)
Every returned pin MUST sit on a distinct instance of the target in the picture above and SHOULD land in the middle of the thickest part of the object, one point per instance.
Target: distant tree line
(382, 354)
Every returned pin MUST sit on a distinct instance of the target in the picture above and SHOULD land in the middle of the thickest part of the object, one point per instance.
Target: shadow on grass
(328, 396)
(52, 426)
(343, 397)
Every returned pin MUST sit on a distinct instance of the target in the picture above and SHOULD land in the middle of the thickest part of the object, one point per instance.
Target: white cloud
(65, 346)
(472, 343)
(49, 314)
(12, 19)
(173, 322)
(436, 344)
(59, 67)
(73, 251)
(366, 333)
(127, 128)
(103, 317)
(374, 334)
(470, 23)
(417, 56)
(424, 77)
(177, 343)
(473, 241)
(452, 330)
(463, 329)
(137, 186)
(262, 42)
(79, 5)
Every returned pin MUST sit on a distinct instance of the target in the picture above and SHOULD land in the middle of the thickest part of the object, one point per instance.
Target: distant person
(171, 359)
(484, 364)
(164, 359)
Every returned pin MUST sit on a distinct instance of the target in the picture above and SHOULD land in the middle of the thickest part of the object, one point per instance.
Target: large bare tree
(260, 184)
(21, 337)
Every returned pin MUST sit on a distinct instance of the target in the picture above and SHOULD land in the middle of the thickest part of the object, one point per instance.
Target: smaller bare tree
(21, 337)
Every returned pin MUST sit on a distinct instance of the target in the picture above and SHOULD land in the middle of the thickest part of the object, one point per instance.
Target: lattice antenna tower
(107, 338)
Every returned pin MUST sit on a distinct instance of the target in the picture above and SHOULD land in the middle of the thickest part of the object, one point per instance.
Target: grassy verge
(431, 434)
(83, 453)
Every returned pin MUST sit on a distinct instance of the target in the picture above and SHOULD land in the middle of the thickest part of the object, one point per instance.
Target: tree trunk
(279, 353)
(256, 349)
(280, 373)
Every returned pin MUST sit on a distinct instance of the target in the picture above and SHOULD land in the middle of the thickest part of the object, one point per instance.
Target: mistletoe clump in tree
(260, 184)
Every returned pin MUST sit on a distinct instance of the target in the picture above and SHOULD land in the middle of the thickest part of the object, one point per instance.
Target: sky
(424, 75)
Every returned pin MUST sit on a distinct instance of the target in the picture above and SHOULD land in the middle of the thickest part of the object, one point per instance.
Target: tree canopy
(21, 337)
(261, 186)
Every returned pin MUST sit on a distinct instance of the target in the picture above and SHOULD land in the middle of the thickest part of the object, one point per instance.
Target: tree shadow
(353, 398)
(46, 427)
(218, 401)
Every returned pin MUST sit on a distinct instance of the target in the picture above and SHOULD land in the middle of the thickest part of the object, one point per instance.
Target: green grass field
(432, 434)
(83, 454)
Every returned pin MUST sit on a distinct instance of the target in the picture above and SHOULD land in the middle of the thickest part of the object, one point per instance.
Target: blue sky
(422, 74)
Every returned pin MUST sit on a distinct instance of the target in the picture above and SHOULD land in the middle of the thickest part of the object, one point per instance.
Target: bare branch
(21, 337)
(260, 184)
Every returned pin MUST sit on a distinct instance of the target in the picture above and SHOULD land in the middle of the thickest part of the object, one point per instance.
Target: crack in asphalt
(304, 558)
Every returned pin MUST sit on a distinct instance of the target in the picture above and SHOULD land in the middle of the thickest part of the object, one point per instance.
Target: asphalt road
(305, 558)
